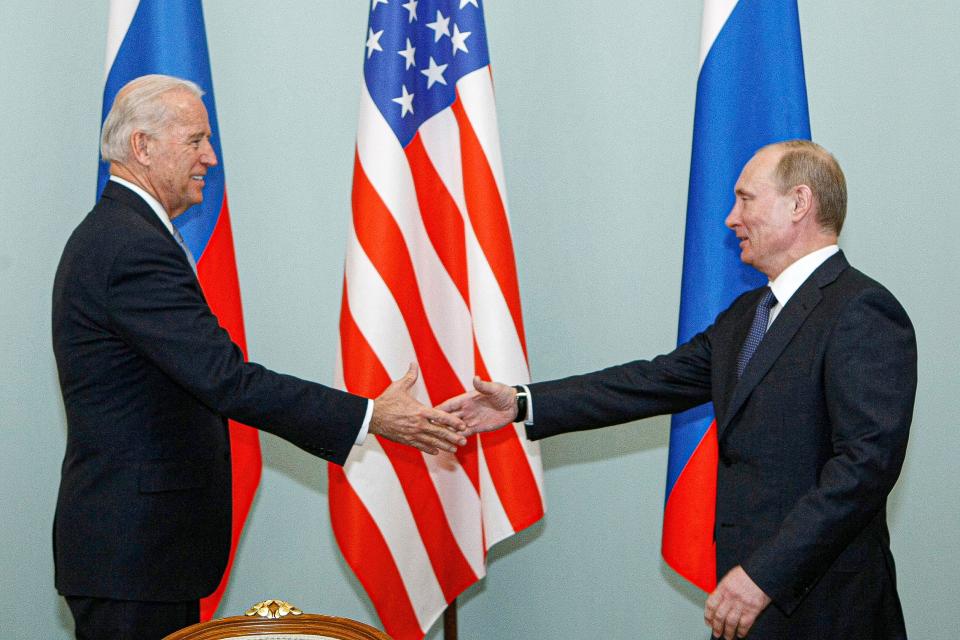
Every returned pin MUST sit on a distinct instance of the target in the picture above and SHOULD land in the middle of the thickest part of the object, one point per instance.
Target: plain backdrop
(595, 102)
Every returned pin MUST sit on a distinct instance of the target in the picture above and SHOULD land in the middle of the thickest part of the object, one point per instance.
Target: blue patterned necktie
(757, 329)
(186, 251)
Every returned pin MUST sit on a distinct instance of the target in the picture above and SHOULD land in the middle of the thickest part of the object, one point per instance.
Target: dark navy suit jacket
(811, 438)
(149, 379)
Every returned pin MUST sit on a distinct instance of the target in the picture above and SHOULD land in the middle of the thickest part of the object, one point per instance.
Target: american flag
(430, 277)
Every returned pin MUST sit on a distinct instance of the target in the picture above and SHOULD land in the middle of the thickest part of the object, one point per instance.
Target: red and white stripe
(430, 277)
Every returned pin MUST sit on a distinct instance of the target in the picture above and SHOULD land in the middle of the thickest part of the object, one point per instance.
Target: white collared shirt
(791, 279)
(168, 224)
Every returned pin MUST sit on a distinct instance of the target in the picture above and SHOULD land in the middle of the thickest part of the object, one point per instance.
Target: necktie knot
(768, 300)
(757, 330)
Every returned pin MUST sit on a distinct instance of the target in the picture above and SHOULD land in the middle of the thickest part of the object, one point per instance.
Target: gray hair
(138, 107)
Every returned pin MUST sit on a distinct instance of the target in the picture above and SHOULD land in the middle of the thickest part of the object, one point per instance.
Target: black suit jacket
(812, 438)
(149, 379)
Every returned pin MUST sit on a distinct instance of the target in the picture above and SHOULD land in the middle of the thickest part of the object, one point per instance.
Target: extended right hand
(399, 417)
(490, 406)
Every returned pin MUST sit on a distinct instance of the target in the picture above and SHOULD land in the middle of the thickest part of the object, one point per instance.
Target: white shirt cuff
(365, 427)
(528, 419)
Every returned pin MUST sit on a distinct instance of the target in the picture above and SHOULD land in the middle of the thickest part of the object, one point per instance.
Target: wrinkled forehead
(186, 110)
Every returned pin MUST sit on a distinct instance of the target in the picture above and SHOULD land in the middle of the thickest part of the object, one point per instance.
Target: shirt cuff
(528, 419)
(365, 427)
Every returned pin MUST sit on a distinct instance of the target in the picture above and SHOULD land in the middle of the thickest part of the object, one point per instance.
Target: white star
(405, 101)
(464, 3)
(373, 7)
(411, 6)
(373, 42)
(434, 73)
(441, 27)
(408, 55)
(459, 40)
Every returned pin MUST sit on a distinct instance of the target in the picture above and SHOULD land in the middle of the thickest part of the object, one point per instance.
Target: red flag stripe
(384, 245)
(509, 470)
(375, 566)
(441, 216)
(688, 543)
(449, 566)
(389, 255)
(362, 372)
(443, 222)
(217, 273)
(371, 561)
(460, 497)
(489, 218)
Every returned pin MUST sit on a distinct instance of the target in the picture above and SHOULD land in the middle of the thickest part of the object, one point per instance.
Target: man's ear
(140, 146)
(803, 203)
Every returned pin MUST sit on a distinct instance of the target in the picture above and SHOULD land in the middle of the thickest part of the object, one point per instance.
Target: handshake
(399, 417)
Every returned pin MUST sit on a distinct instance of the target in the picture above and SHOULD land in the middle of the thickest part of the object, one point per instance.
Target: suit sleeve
(156, 306)
(669, 383)
(870, 381)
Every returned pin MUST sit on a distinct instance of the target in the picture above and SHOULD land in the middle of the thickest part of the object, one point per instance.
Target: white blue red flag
(750, 92)
(430, 277)
(151, 36)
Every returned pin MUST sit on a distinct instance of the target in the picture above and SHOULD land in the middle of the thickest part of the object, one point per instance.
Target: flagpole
(450, 621)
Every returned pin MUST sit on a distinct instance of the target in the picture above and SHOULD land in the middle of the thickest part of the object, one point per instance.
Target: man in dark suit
(813, 380)
(149, 378)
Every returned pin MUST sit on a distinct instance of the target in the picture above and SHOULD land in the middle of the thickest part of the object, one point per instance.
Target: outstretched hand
(399, 417)
(490, 406)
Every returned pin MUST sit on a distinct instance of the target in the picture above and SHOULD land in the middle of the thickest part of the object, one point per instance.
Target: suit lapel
(781, 332)
(132, 200)
(123, 195)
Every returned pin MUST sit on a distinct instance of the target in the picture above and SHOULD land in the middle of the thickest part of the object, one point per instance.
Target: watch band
(521, 404)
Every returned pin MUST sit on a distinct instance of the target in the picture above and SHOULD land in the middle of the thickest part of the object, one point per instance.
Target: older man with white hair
(149, 379)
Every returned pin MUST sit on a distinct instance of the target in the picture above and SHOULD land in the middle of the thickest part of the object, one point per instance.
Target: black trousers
(103, 619)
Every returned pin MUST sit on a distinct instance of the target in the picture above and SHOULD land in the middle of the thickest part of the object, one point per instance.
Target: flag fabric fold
(430, 277)
(149, 36)
(750, 92)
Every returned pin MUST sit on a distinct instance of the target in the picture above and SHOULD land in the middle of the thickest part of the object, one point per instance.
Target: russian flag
(150, 36)
(750, 92)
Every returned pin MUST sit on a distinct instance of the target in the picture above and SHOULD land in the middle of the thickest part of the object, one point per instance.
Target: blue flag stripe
(751, 92)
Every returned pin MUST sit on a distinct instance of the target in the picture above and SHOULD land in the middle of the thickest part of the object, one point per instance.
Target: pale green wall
(595, 104)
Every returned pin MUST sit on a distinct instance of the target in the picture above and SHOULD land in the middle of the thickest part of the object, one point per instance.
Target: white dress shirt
(787, 283)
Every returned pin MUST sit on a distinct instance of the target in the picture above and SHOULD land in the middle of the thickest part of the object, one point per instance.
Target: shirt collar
(787, 283)
(149, 199)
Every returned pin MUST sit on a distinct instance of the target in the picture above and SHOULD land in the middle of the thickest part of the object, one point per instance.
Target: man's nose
(209, 156)
(731, 218)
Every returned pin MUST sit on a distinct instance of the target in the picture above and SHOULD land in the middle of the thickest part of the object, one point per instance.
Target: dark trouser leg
(103, 619)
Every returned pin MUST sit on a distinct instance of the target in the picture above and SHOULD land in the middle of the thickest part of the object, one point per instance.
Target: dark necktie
(186, 251)
(757, 329)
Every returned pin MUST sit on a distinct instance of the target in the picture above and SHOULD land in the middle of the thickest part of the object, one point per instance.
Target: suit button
(727, 462)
